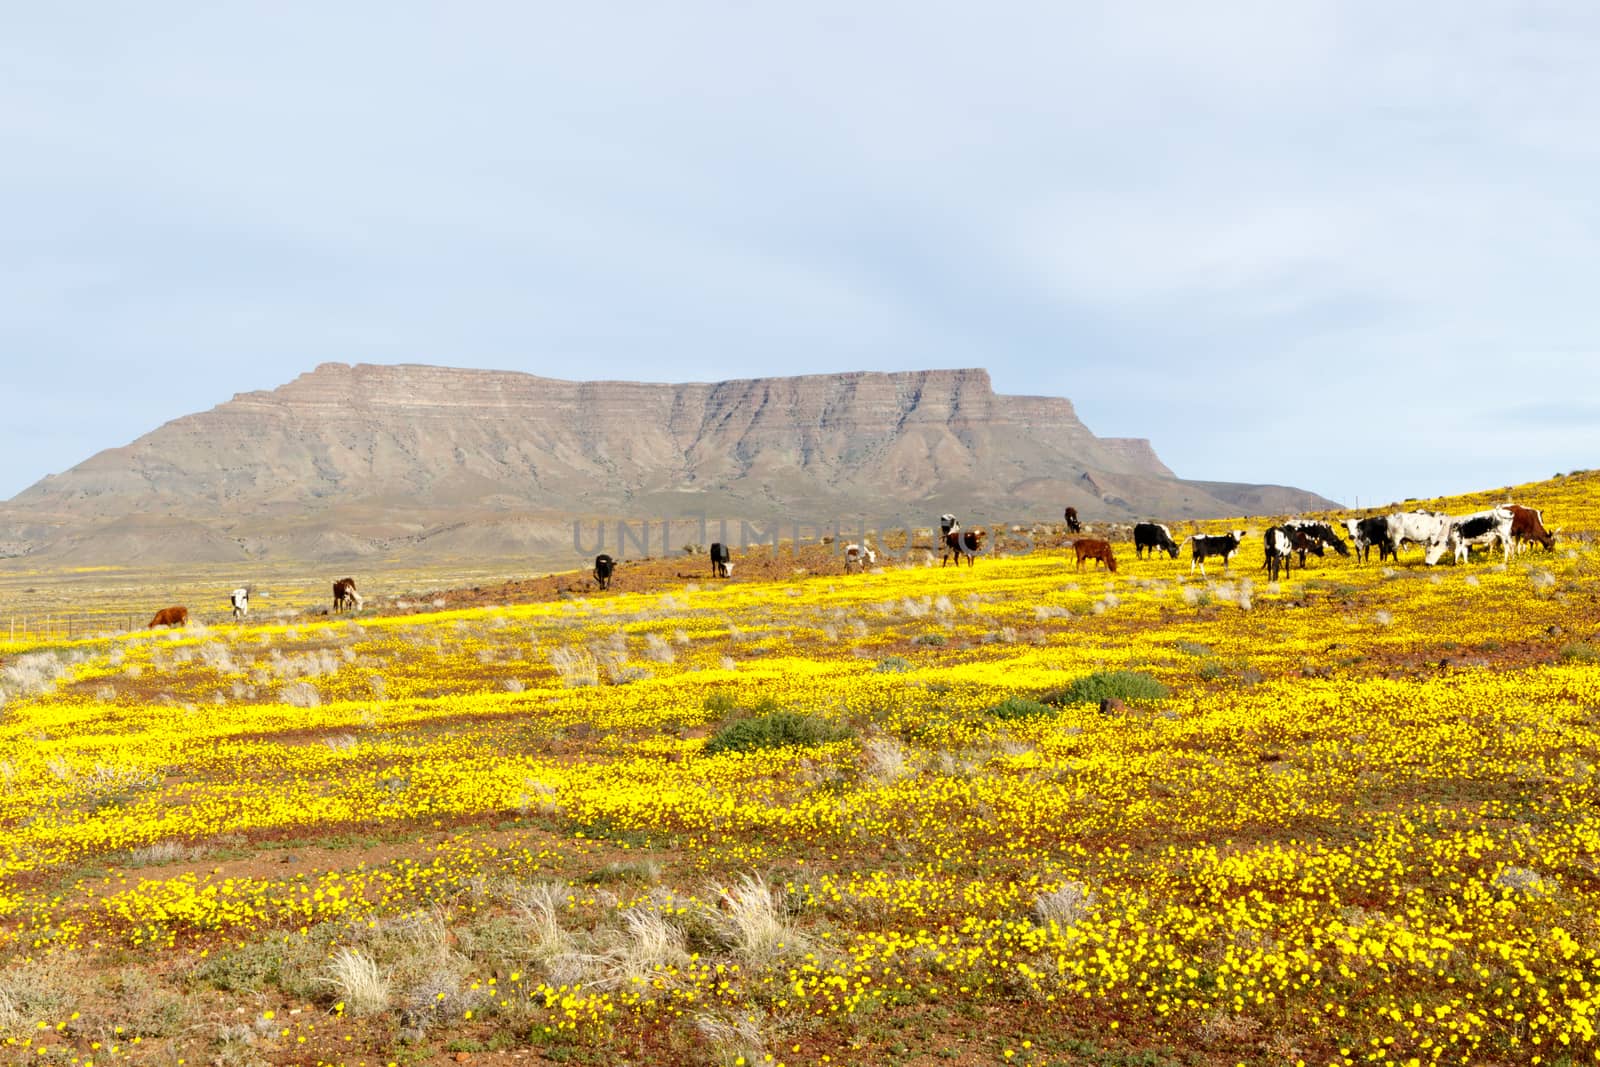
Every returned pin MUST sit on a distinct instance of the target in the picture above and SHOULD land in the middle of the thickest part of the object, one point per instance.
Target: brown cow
(345, 595)
(1527, 524)
(959, 543)
(1097, 550)
(178, 616)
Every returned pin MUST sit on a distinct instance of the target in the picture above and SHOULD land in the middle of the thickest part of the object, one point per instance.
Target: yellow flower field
(1348, 818)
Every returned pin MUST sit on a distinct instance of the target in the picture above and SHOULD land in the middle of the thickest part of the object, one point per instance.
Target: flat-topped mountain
(351, 460)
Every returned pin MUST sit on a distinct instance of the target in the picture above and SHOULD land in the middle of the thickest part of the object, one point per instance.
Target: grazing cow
(240, 599)
(178, 616)
(1481, 528)
(1424, 528)
(959, 543)
(1224, 545)
(345, 595)
(1364, 533)
(1282, 544)
(720, 566)
(1155, 537)
(1278, 544)
(1097, 550)
(1319, 533)
(604, 565)
(1071, 515)
(1527, 525)
(861, 557)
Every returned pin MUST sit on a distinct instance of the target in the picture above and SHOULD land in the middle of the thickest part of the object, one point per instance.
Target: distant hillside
(350, 461)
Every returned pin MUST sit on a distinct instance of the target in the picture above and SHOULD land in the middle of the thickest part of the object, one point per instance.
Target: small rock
(1554, 630)
(1112, 706)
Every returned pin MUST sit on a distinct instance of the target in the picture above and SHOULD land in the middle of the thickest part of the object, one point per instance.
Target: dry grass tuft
(359, 982)
(1065, 906)
(300, 695)
(885, 760)
(753, 921)
(576, 666)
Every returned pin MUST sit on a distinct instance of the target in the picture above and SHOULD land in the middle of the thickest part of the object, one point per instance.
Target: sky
(1347, 246)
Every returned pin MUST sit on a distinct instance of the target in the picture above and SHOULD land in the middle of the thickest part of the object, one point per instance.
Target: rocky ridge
(347, 461)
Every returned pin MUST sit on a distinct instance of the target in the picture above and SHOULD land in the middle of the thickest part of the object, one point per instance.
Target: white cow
(1480, 528)
(240, 599)
(859, 555)
(1424, 528)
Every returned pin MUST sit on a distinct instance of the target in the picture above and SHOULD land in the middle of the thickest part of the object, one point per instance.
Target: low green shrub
(1021, 708)
(1093, 688)
(777, 729)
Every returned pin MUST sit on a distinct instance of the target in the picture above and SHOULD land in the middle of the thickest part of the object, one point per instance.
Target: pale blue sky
(1347, 246)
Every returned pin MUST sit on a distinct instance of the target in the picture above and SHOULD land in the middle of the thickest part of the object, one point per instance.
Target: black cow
(1071, 515)
(1320, 534)
(604, 565)
(1364, 533)
(720, 566)
(1206, 546)
(1155, 537)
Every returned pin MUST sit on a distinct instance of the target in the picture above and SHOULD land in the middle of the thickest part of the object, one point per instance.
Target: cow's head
(1241, 534)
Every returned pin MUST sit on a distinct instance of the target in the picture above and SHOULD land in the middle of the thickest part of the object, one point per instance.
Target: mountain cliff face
(353, 459)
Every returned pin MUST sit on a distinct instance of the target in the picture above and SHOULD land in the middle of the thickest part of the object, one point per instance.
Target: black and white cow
(1288, 541)
(1071, 516)
(1364, 533)
(1319, 533)
(240, 599)
(1481, 528)
(1206, 546)
(1155, 537)
(1280, 547)
(604, 567)
(1424, 528)
(720, 565)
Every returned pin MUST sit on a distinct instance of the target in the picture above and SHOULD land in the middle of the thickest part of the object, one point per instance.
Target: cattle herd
(1508, 527)
(1511, 527)
(345, 598)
